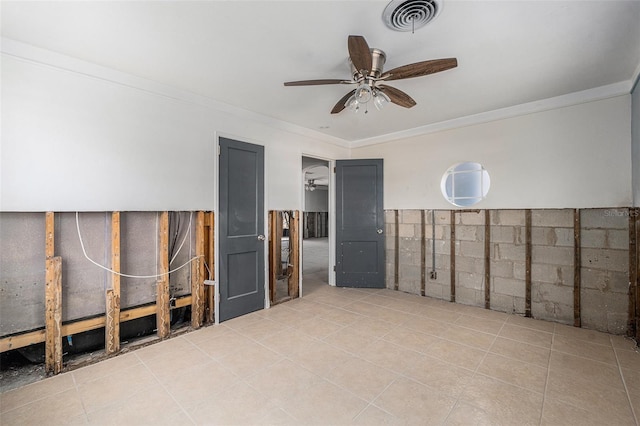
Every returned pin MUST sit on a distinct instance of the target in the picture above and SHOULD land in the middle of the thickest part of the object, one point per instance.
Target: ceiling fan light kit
(367, 71)
(310, 185)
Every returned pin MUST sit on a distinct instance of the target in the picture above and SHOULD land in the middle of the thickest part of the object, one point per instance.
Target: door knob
(379, 231)
(261, 237)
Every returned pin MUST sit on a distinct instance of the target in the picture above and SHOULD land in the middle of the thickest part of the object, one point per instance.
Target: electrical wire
(84, 251)
(207, 266)
(183, 240)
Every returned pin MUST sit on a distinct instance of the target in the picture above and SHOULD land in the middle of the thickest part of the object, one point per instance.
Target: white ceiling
(240, 52)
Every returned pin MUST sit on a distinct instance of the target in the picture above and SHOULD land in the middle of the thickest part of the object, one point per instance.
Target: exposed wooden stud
(273, 260)
(111, 344)
(81, 326)
(197, 275)
(637, 269)
(163, 318)
(49, 223)
(577, 322)
(278, 243)
(527, 277)
(139, 312)
(53, 300)
(53, 315)
(294, 246)
(163, 323)
(633, 324)
(194, 284)
(202, 271)
(396, 252)
(487, 259)
(452, 254)
(181, 302)
(211, 260)
(112, 331)
(38, 336)
(21, 340)
(423, 253)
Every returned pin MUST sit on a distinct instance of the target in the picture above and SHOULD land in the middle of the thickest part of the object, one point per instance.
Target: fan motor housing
(378, 58)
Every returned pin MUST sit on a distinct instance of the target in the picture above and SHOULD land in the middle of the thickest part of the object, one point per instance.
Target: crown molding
(30, 53)
(66, 63)
(576, 98)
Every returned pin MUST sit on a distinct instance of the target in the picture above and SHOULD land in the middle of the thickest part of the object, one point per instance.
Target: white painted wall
(571, 157)
(317, 201)
(76, 136)
(635, 151)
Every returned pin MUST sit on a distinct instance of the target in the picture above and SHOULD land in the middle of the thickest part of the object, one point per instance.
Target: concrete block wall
(470, 254)
(604, 266)
(83, 284)
(22, 263)
(440, 286)
(605, 269)
(410, 257)
(508, 261)
(22, 237)
(552, 252)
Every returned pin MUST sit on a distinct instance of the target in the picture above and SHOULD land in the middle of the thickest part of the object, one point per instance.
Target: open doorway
(315, 223)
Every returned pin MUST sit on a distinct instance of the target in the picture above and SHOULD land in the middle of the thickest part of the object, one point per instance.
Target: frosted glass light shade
(363, 93)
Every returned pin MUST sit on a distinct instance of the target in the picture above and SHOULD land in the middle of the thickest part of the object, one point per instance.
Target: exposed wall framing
(487, 259)
(53, 301)
(294, 256)
(452, 253)
(198, 275)
(633, 329)
(210, 256)
(423, 253)
(527, 277)
(54, 328)
(163, 320)
(396, 263)
(274, 253)
(577, 266)
(284, 270)
(53, 315)
(573, 266)
(112, 331)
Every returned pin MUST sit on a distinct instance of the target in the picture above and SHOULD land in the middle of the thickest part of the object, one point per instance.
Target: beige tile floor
(345, 356)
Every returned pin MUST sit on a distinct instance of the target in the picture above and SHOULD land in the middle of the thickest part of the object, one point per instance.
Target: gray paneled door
(241, 228)
(359, 224)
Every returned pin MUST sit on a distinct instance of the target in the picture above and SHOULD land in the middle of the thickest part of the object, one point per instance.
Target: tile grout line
(626, 389)
(166, 390)
(475, 373)
(35, 384)
(546, 383)
(84, 409)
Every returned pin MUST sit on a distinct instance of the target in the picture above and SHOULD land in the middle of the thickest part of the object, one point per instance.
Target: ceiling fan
(367, 73)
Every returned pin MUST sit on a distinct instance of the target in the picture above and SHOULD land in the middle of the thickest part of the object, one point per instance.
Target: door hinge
(218, 149)
(334, 268)
(334, 170)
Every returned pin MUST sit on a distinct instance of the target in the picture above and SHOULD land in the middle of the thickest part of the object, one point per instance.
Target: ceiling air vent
(409, 15)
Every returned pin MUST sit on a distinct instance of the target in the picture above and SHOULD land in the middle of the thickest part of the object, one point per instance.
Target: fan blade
(420, 68)
(396, 96)
(360, 53)
(341, 103)
(315, 82)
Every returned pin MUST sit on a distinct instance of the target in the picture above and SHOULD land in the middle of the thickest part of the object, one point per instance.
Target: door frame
(332, 218)
(216, 207)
